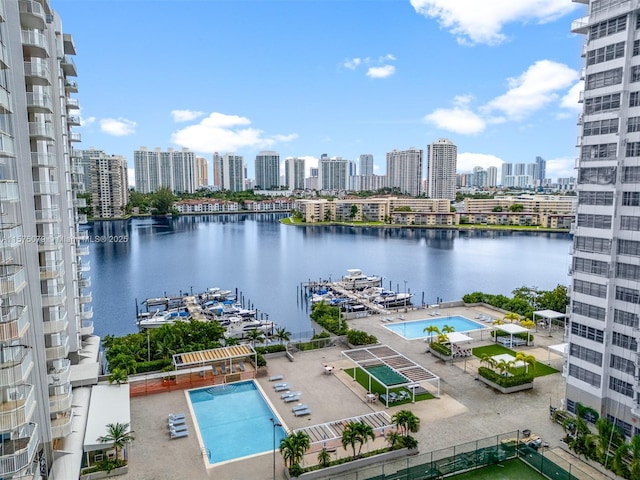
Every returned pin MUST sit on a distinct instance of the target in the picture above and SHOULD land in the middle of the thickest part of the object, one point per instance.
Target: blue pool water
(234, 421)
(415, 329)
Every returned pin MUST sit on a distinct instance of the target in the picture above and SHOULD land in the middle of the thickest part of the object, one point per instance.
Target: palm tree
(448, 329)
(324, 457)
(431, 330)
(293, 448)
(529, 360)
(282, 334)
(350, 437)
(255, 336)
(488, 360)
(394, 439)
(504, 366)
(512, 317)
(610, 437)
(406, 421)
(118, 376)
(634, 466)
(119, 435)
(365, 432)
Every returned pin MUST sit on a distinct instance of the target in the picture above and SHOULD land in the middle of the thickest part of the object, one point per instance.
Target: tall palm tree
(610, 437)
(529, 360)
(634, 466)
(293, 448)
(448, 329)
(119, 435)
(406, 421)
(282, 334)
(365, 432)
(431, 330)
(255, 336)
(324, 457)
(504, 366)
(488, 360)
(350, 437)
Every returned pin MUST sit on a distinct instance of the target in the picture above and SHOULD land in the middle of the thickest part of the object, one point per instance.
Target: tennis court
(386, 375)
(510, 470)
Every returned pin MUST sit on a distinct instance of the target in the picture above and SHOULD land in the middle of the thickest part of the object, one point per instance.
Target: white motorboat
(356, 280)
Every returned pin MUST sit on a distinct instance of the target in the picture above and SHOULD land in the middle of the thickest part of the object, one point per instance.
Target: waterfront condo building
(404, 171)
(294, 169)
(365, 167)
(108, 182)
(172, 169)
(267, 167)
(603, 331)
(43, 290)
(333, 173)
(442, 156)
(229, 172)
(202, 172)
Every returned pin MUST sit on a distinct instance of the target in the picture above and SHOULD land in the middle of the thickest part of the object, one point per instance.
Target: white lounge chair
(299, 407)
(294, 398)
(178, 428)
(177, 421)
(176, 416)
(184, 433)
(275, 378)
(290, 394)
(282, 388)
(300, 413)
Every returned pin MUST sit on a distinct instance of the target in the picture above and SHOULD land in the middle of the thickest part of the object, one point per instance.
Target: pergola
(548, 316)
(511, 329)
(214, 356)
(560, 349)
(411, 372)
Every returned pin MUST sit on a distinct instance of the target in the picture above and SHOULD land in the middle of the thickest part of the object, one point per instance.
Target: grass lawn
(510, 470)
(376, 387)
(540, 370)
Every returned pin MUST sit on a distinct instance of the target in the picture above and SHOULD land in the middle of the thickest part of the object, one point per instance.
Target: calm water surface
(266, 262)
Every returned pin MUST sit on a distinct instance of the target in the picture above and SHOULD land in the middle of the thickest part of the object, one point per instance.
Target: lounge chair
(176, 416)
(233, 368)
(300, 413)
(282, 388)
(178, 428)
(283, 384)
(393, 397)
(275, 378)
(403, 395)
(241, 366)
(223, 369)
(299, 407)
(294, 398)
(290, 394)
(184, 433)
(177, 421)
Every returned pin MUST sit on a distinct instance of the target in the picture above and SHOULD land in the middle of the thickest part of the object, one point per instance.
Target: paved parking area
(467, 409)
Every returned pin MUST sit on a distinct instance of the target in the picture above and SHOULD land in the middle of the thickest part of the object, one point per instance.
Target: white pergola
(547, 317)
(457, 337)
(511, 329)
(560, 349)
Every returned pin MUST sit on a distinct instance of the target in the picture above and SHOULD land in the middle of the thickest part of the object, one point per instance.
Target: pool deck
(467, 409)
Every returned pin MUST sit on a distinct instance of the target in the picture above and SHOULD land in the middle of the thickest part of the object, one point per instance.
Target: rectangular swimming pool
(234, 420)
(415, 329)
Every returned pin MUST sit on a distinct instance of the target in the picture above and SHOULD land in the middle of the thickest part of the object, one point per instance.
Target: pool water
(234, 421)
(415, 329)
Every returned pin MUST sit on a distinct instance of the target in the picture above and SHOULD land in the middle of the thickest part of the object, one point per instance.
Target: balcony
(55, 326)
(6, 146)
(9, 191)
(46, 188)
(48, 215)
(12, 279)
(61, 427)
(5, 102)
(19, 408)
(84, 282)
(79, 202)
(70, 86)
(83, 235)
(72, 103)
(81, 218)
(37, 72)
(13, 323)
(87, 328)
(84, 299)
(10, 235)
(56, 297)
(44, 160)
(41, 131)
(58, 352)
(32, 15)
(68, 66)
(86, 313)
(17, 364)
(73, 120)
(84, 266)
(75, 137)
(68, 44)
(60, 373)
(35, 44)
(82, 251)
(39, 103)
(4, 56)
(19, 453)
(54, 270)
(580, 25)
(60, 402)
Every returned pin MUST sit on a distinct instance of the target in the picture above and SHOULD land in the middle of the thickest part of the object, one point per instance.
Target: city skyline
(345, 94)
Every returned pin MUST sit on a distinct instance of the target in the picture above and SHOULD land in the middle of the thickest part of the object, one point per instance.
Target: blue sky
(499, 78)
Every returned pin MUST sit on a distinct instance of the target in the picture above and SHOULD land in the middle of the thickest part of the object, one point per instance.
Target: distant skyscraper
(492, 177)
(267, 167)
(202, 172)
(507, 171)
(519, 169)
(294, 169)
(108, 184)
(366, 165)
(217, 170)
(173, 169)
(233, 173)
(404, 170)
(333, 173)
(542, 169)
(441, 169)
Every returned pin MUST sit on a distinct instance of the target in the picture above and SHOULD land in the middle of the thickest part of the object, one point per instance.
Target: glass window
(609, 77)
(595, 198)
(590, 288)
(627, 319)
(602, 103)
(586, 354)
(621, 386)
(584, 375)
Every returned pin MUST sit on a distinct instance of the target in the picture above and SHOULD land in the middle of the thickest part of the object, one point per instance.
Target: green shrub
(153, 365)
(296, 470)
(261, 360)
(271, 349)
(505, 382)
(358, 337)
(440, 348)
(105, 466)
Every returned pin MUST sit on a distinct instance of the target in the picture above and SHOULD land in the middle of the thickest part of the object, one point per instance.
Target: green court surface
(510, 470)
(385, 375)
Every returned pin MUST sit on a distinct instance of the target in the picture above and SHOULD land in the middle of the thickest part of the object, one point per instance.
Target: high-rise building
(267, 167)
(365, 165)
(333, 173)
(404, 170)
(542, 170)
(217, 170)
(294, 169)
(109, 183)
(43, 286)
(519, 169)
(232, 172)
(173, 169)
(492, 177)
(507, 170)
(441, 169)
(604, 332)
(202, 172)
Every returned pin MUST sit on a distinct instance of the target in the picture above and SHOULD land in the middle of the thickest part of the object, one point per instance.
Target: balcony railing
(37, 70)
(61, 402)
(83, 235)
(46, 188)
(70, 86)
(44, 160)
(55, 297)
(62, 427)
(39, 102)
(68, 66)
(56, 352)
(84, 266)
(60, 373)
(73, 120)
(4, 56)
(13, 323)
(48, 215)
(80, 202)
(81, 218)
(5, 102)
(54, 270)
(72, 103)
(86, 313)
(18, 408)
(37, 41)
(9, 191)
(82, 251)
(6, 146)
(42, 130)
(87, 328)
(84, 282)
(84, 299)
(580, 25)
(55, 326)
(75, 137)
(12, 279)
(32, 14)
(16, 365)
(10, 235)
(19, 453)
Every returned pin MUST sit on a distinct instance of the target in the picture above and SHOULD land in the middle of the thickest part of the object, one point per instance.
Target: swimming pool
(415, 329)
(234, 421)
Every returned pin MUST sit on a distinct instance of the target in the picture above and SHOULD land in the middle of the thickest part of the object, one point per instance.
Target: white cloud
(381, 72)
(533, 90)
(467, 161)
(118, 127)
(570, 100)
(457, 119)
(475, 22)
(225, 133)
(85, 122)
(562, 167)
(131, 176)
(352, 64)
(185, 115)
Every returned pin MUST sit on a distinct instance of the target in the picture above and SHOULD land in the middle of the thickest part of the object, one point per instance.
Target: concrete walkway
(466, 411)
